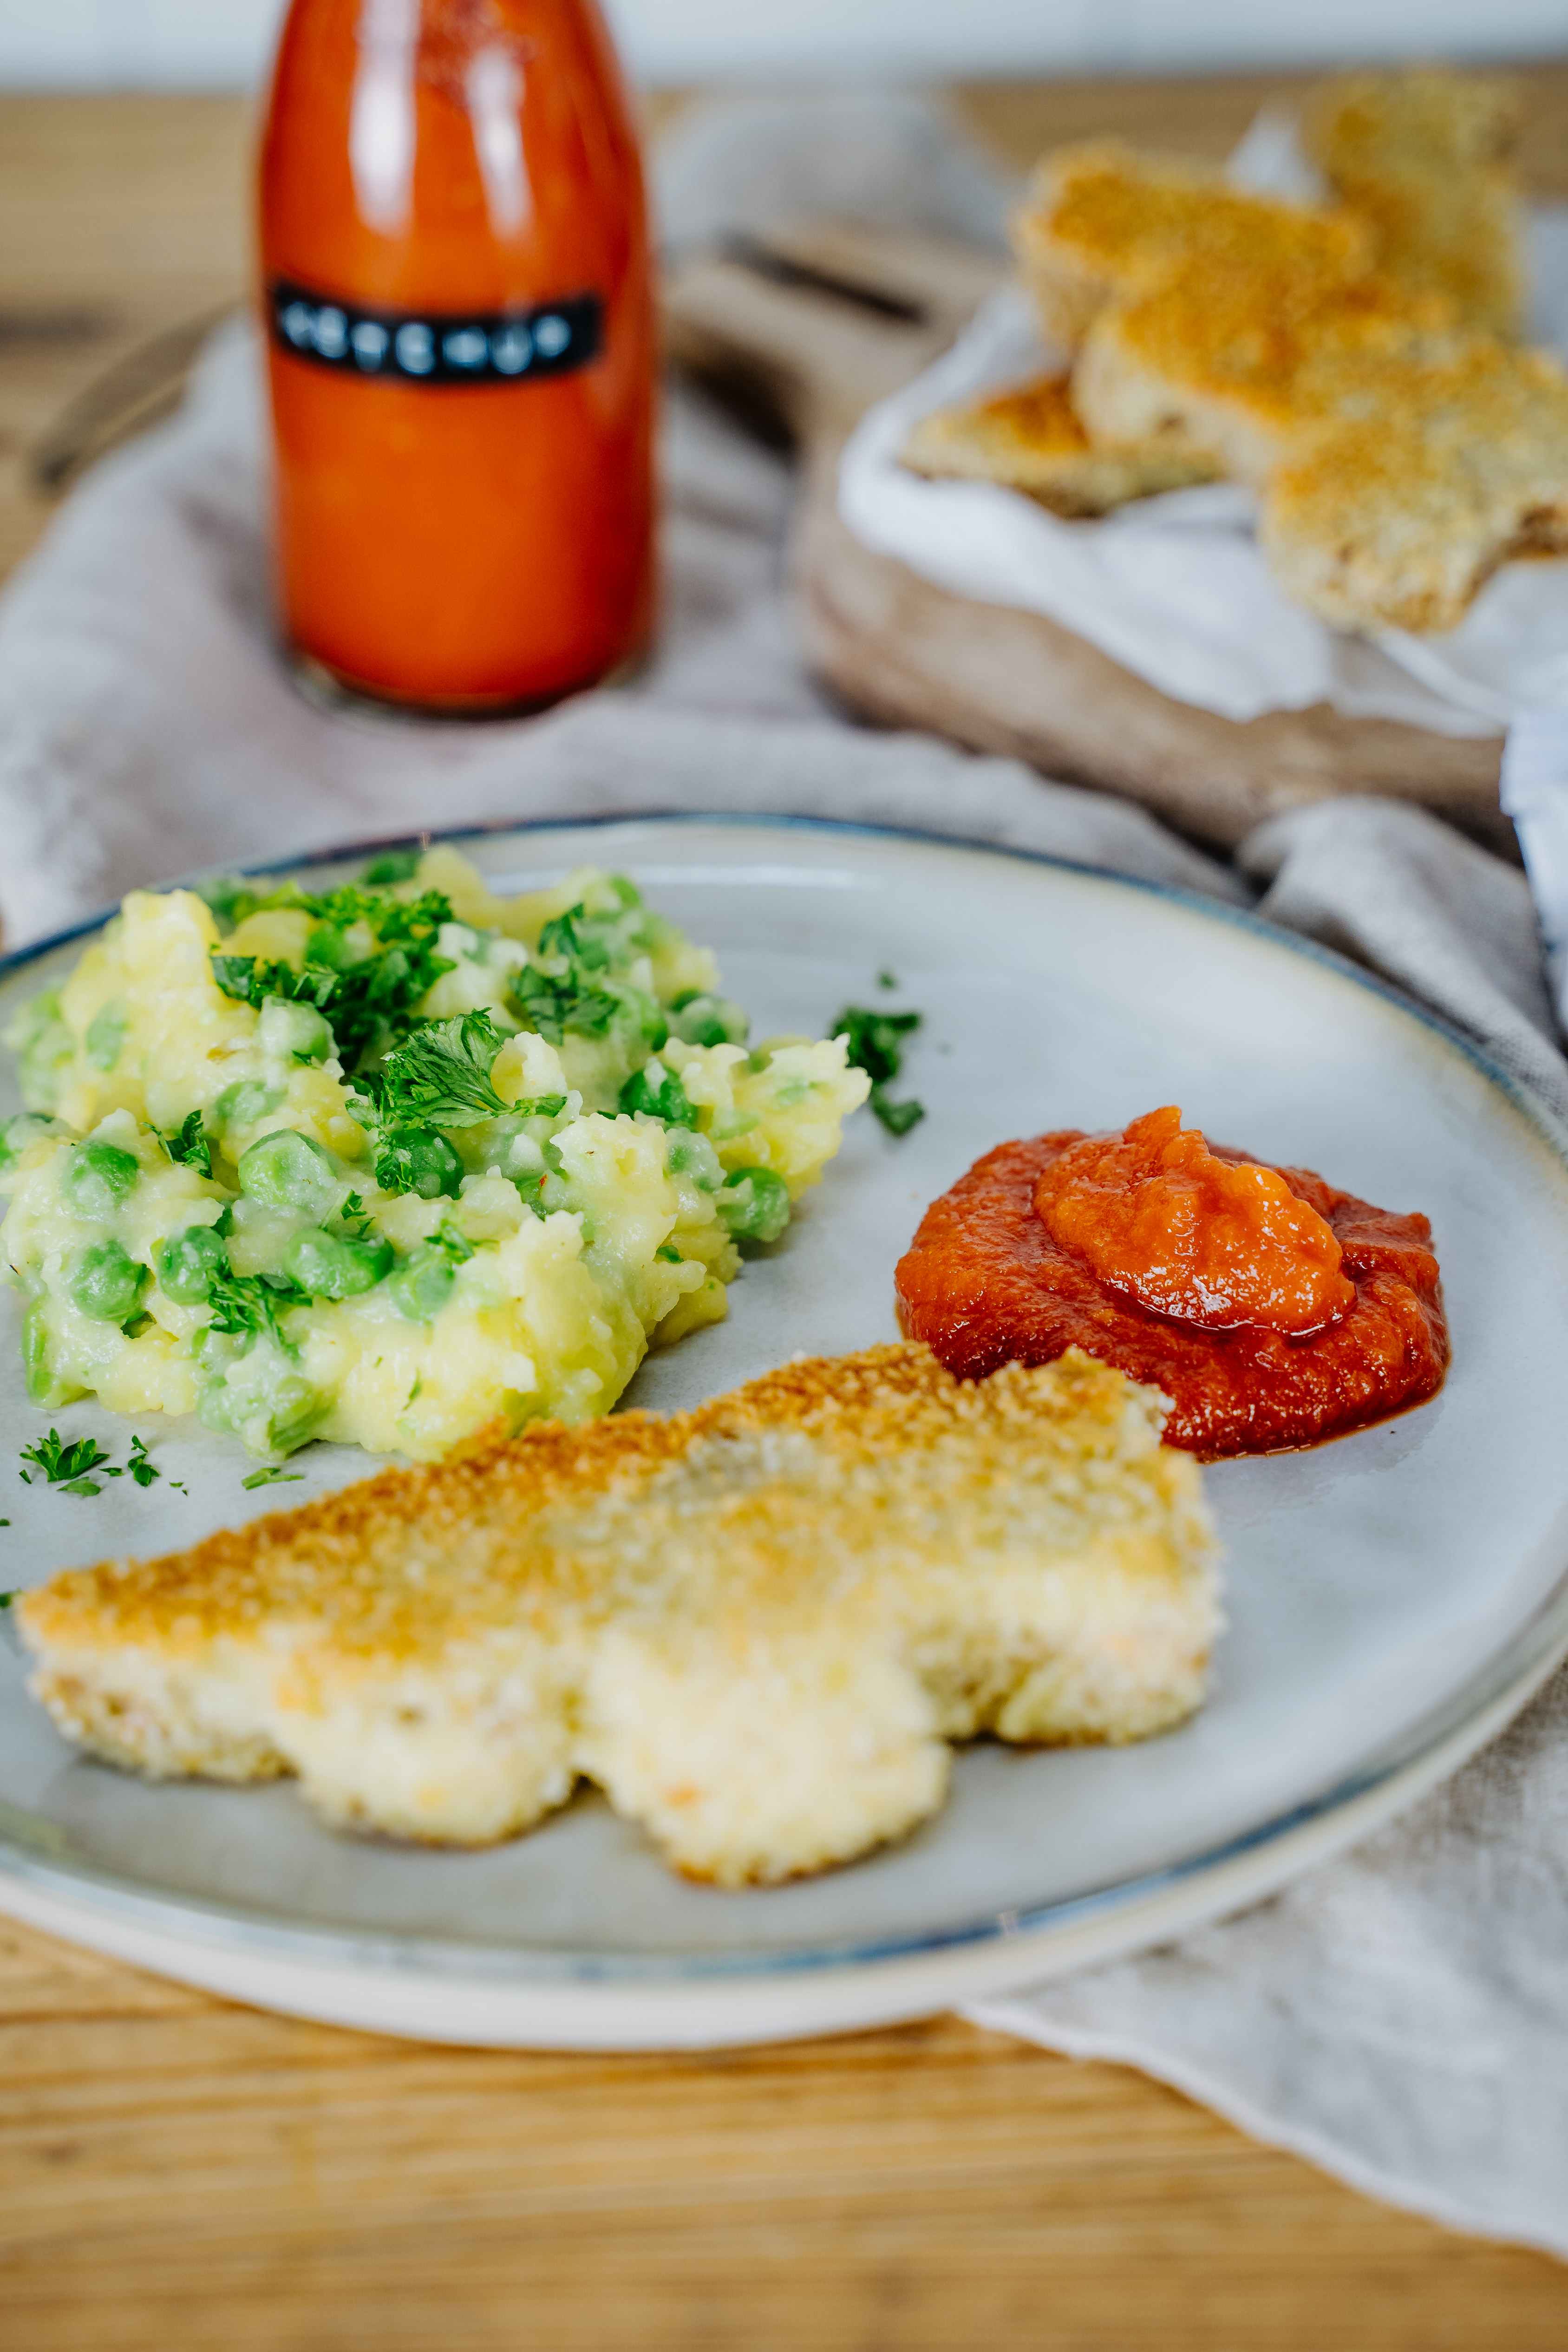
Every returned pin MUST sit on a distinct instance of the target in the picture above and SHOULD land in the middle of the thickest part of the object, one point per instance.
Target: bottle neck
(475, 154)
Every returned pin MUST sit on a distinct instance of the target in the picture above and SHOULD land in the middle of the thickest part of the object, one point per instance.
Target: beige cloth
(1400, 2016)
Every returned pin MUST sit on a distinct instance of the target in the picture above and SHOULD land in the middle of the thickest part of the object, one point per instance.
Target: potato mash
(393, 1165)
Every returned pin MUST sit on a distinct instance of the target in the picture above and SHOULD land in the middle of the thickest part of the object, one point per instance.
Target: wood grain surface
(177, 2171)
(173, 2171)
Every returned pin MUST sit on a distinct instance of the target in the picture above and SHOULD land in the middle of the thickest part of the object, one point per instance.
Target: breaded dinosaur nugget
(1424, 158)
(1101, 220)
(756, 1625)
(1031, 440)
(1240, 367)
(1396, 518)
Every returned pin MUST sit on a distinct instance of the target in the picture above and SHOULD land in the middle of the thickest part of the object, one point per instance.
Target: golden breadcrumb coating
(1031, 440)
(1239, 366)
(1394, 517)
(755, 1625)
(1346, 362)
(1424, 158)
(1101, 219)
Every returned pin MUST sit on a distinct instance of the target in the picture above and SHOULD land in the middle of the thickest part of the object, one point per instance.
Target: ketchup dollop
(1159, 1217)
(1271, 1308)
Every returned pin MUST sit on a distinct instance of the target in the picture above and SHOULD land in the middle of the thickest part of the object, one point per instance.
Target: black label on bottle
(436, 346)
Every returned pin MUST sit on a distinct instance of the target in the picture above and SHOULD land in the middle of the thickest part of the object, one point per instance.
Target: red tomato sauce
(1273, 1309)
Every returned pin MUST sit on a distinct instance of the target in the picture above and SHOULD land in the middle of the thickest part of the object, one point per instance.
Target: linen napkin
(1399, 2016)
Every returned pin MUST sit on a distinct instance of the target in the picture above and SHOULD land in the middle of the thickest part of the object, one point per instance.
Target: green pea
(286, 1170)
(272, 1415)
(687, 1153)
(296, 1412)
(187, 1262)
(105, 1282)
(423, 1284)
(335, 1266)
(39, 1037)
(46, 1385)
(753, 1203)
(246, 1101)
(285, 1027)
(99, 1178)
(17, 1133)
(649, 1015)
(704, 1020)
(658, 1093)
(105, 1036)
(417, 1159)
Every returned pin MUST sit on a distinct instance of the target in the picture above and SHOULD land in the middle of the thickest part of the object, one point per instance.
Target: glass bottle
(456, 284)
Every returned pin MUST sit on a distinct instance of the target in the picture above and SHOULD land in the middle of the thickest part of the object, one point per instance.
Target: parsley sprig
(142, 1466)
(250, 1304)
(188, 1147)
(440, 1076)
(570, 989)
(876, 1046)
(67, 1465)
(251, 980)
(571, 996)
(357, 1219)
(80, 1466)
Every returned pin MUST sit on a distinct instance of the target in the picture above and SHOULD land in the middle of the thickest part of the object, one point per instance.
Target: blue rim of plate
(1516, 1669)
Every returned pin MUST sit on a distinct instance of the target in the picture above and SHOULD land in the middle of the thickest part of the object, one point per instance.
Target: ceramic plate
(1393, 1597)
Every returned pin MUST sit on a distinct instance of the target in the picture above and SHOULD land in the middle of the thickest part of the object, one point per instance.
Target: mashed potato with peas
(393, 1165)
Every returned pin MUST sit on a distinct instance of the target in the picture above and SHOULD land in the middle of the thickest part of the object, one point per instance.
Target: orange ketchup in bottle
(456, 283)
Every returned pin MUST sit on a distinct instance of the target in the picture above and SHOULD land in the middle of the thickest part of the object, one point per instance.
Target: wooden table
(177, 2171)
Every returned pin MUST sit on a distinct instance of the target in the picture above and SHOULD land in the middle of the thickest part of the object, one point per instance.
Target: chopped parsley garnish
(417, 1159)
(875, 1040)
(574, 997)
(249, 1304)
(561, 937)
(367, 1001)
(272, 1474)
(67, 1466)
(357, 1218)
(392, 866)
(228, 897)
(77, 1468)
(552, 1004)
(7, 1598)
(440, 1076)
(876, 1047)
(898, 1118)
(887, 979)
(188, 1147)
(251, 980)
